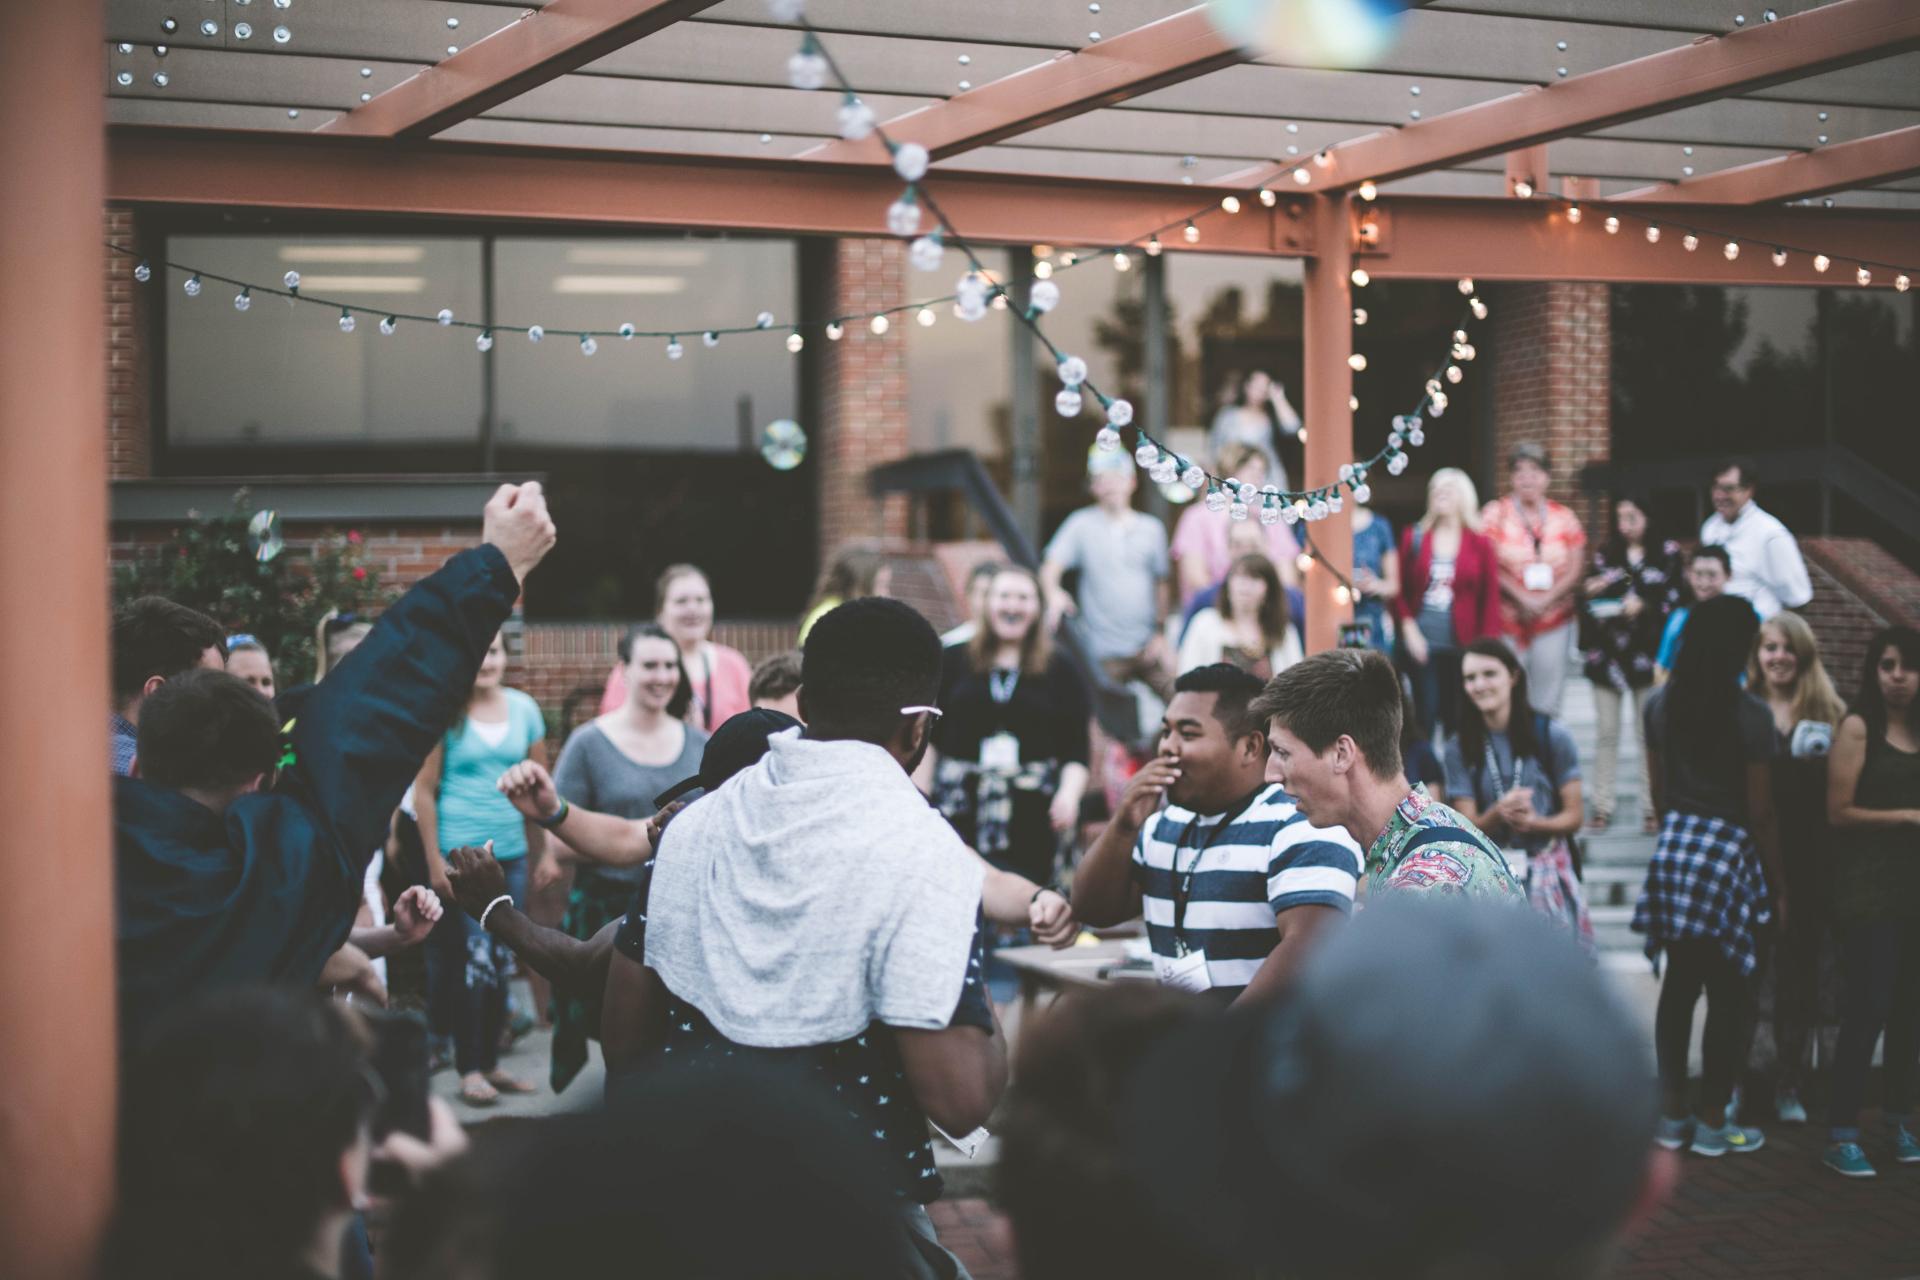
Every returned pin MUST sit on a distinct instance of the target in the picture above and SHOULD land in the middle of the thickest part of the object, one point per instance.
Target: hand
(1050, 916)
(657, 824)
(1417, 646)
(442, 887)
(548, 871)
(1632, 606)
(516, 521)
(1599, 582)
(477, 878)
(1146, 789)
(414, 914)
(1064, 812)
(351, 971)
(446, 1141)
(530, 787)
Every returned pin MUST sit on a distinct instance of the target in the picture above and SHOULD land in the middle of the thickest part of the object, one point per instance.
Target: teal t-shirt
(472, 810)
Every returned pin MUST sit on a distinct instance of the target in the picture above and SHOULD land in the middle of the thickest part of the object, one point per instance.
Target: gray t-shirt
(596, 775)
(1713, 785)
(1554, 763)
(1121, 563)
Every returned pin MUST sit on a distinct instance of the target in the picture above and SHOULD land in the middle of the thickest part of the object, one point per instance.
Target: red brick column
(1552, 383)
(129, 384)
(863, 397)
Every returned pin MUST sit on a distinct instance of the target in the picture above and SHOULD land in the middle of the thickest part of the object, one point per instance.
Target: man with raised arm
(240, 854)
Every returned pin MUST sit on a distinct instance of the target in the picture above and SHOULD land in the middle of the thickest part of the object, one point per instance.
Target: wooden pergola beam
(1864, 162)
(1152, 57)
(541, 46)
(1832, 36)
(1418, 237)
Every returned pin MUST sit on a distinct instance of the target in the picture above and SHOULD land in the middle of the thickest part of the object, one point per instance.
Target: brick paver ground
(1775, 1213)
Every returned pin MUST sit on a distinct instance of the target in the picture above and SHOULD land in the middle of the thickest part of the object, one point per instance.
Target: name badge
(1537, 577)
(1000, 753)
(1184, 973)
(1516, 863)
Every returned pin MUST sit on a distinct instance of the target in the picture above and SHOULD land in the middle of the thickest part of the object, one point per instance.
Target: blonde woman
(1449, 594)
(1786, 672)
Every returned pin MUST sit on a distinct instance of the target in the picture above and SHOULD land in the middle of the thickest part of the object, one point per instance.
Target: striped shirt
(1267, 860)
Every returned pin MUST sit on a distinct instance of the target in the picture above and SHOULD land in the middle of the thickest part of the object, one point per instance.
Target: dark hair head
(1065, 1178)
(1273, 610)
(234, 1116)
(865, 660)
(1529, 451)
(1870, 703)
(156, 637)
(774, 678)
(1712, 551)
(1354, 692)
(670, 575)
(568, 1196)
(1615, 547)
(1234, 690)
(1706, 675)
(206, 730)
(683, 693)
(1473, 729)
(1736, 462)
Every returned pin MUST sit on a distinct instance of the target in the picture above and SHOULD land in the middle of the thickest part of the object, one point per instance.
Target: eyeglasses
(935, 712)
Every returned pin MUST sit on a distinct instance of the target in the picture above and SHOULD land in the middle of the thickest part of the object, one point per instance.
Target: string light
(484, 343)
(1043, 270)
(1301, 177)
(242, 300)
(1359, 315)
(1573, 214)
(834, 331)
(1191, 234)
(1653, 234)
(1368, 191)
(1612, 224)
(1821, 262)
(879, 325)
(587, 345)
(1230, 204)
(1522, 189)
(535, 333)
(1360, 277)
(1464, 285)
(1730, 250)
(346, 321)
(387, 326)
(1268, 198)
(1779, 257)
(796, 341)
(1863, 276)
(1689, 242)
(1121, 262)
(192, 286)
(1356, 362)
(925, 317)
(1153, 246)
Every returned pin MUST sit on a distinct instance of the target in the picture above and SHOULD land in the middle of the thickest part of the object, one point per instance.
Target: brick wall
(1857, 589)
(863, 410)
(1552, 383)
(129, 379)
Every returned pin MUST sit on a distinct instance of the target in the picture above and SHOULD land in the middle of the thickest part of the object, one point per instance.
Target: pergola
(1795, 123)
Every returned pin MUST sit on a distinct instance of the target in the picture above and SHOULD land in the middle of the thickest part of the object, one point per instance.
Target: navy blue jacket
(266, 891)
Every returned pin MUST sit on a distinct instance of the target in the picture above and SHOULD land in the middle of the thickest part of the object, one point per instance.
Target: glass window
(959, 375)
(630, 395)
(280, 373)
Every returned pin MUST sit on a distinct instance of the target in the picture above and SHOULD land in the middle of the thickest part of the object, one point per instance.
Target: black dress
(1617, 651)
(1001, 806)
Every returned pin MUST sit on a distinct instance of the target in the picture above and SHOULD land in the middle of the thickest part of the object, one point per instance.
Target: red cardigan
(1476, 583)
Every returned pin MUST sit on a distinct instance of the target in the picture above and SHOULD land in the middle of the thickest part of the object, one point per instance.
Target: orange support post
(57, 1052)
(1329, 422)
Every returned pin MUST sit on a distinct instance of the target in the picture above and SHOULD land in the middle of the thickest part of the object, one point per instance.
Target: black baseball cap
(735, 745)
(1448, 1083)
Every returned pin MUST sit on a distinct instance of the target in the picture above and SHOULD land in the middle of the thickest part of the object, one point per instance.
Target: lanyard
(1001, 684)
(1183, 883)
(1537, 532)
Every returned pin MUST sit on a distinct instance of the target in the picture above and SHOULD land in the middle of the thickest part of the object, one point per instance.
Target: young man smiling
(1234, 882)
(1334, 724)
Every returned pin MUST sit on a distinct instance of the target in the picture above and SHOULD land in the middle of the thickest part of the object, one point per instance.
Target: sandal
(478, 1093)
(506, 1083)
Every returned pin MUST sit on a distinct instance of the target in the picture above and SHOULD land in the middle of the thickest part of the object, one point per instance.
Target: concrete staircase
(1616, 859)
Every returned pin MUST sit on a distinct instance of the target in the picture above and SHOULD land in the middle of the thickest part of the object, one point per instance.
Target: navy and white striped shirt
(1267, 860)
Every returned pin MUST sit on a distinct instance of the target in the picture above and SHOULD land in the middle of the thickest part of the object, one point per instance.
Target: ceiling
(717, 84)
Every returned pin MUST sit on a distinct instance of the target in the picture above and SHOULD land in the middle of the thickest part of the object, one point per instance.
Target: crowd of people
(775, 895)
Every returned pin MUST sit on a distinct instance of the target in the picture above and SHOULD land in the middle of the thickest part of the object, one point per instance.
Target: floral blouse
(1618, 651)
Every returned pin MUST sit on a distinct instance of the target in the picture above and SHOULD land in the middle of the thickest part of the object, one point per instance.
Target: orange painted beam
(1865, 162)
(1152, 57)
(57, 1007)
(1327, 341)
(1835, 35)
(541, 46)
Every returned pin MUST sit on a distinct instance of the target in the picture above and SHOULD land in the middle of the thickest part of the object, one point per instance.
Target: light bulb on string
(1268, 198)
(142, 272)
(1357, 362)
(1573, 214)
(1360, 315)
(1479, 308)
(1689, 242)
(796, 342)
(1730, 250)
(1353, 404)
(1146, 453)
(1072, 370)
(1360, 277)
(1304, 561)
(1191, 234)
(1368, 191)
(903, 215)
(879, 325)
(192, 286)
(626, 332)
(387, 326)
(483, 343)
(1043, 270)
(1043, 297)
(346, 321)
(445, 317)
(834, 331)
(1153, 246)
(1121, 262)
(1612, 224)
(292, 281)
(1901, 283)
(674, 349)
(1120, 412)
(1067, 402)
(856, 119)
(1301, 177)
(925, 252)
(535, 333)
(1230, 204)
(1194, 476)
(1863, 277)
(587, 344)
(925, 317)
(242, 300)
(1779, 257)
(1216, 501)
(1821, 262)
(710, 339)
(1522, 189)
(1653, 234)
(1107, 440)
(1464, 285)
(1455, 373)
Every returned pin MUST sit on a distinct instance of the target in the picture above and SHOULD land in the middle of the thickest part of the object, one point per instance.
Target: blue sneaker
(1906, 1147)
(1727, 1138)
(1674, 1134)
(1788, 1106)
(1849, 1161)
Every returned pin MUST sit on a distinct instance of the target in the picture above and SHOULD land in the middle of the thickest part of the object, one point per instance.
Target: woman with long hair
(1010, 751)
(852, 573)
(1633, 584)
(1254, 412)
(1249, 627)
(1449, 594)
(617, 763)
(456, 804)
(1203, 541)
(1715, 865)
(1515, 773)
(1786, 671)
(720, 675)
(1874, 794)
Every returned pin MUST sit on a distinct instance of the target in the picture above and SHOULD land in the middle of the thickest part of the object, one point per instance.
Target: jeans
(1607, 702)
(1546, 658)
(931, 1259)
(467, 973)
(1436, 690)
(1694, 964)
(1880, 972)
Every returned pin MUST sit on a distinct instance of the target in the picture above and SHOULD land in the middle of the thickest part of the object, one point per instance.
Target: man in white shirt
(1767, 569)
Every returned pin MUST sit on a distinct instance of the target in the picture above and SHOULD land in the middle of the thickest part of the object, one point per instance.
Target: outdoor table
(1044, 969)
